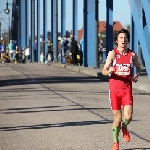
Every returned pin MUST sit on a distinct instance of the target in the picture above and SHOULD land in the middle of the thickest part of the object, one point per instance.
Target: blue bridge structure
(23, 21)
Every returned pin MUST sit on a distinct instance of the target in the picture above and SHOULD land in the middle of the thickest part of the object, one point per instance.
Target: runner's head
(122, 37)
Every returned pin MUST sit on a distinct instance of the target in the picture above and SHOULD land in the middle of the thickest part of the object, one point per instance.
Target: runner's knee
(117, 116)
(128, 113)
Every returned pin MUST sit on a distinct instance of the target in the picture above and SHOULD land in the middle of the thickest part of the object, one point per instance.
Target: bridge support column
(55, 29)
(109, 26)
(63, 18)
(90, 36)
(44, 28)
(133, 40)
(19, 25)
(51, 21)
(75, 19)
(32, 26)
(22, 26)
(38, 30)
(27, 22)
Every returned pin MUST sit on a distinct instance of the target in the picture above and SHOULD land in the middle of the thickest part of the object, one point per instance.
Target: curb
(89, 71)
(141, 87)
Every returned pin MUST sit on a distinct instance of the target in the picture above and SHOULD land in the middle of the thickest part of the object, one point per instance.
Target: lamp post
(7, 11)
(0, 30)
(2, 19)
(3, 33)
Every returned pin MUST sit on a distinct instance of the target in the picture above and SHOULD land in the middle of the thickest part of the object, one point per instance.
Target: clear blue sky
(4, 18)
(121, 13)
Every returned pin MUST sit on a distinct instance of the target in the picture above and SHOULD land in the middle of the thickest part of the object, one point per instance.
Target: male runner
(119, 68)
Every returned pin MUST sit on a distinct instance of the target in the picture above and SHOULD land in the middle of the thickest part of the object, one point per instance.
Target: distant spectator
(49, 50)
(6, 56)
(35, 51)
(16, 54)
(102, 47)
(62, 59)
(27, 54)
(65, 43)
(74, 50)
(2, 49)
(11, 50)
(81, 44)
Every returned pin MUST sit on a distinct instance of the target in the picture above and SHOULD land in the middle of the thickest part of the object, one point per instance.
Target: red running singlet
(120, 82)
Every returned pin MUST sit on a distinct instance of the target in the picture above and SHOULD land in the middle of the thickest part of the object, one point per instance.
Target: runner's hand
(135, 78)
(111, 70)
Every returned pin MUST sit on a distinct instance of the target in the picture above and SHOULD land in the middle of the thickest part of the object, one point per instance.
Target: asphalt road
(50, 108)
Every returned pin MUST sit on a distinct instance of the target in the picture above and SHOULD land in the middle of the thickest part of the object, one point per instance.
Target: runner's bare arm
(109, 61)
(136, 64)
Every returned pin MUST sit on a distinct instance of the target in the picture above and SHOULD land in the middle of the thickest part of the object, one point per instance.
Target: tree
(127, 27)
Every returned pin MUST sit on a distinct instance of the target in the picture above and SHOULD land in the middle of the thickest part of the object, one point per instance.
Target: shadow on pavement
(43, 126)
(143, 72)
(137, 149)
(35, 90)
(142, 138)
(49, 80)
(141, 93)
(26, 110)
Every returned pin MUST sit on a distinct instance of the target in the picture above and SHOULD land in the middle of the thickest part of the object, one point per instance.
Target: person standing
(11, 50)
(35, 51)
(119, 68)
(49, 50)
(102, 47)
(2, 49)
(16, 51)
(74, 50)
(27, 54)
(65, 44)
(62, 60)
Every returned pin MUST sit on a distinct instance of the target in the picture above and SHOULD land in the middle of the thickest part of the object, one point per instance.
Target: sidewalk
(143, 84)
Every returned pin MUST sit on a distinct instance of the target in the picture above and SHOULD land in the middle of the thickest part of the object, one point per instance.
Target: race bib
(123, 69)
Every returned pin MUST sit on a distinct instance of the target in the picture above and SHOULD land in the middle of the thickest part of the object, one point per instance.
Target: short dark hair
(72, 38)
(122, 31)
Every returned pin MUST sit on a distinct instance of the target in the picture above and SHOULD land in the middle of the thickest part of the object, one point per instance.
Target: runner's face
(122, 40)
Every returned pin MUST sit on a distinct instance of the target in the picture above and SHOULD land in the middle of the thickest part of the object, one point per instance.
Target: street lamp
(7, 9)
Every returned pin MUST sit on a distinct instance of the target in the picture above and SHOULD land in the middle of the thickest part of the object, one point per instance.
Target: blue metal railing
(140, 11)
